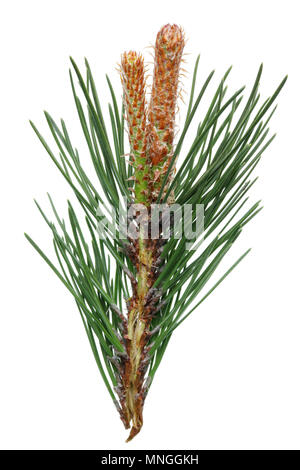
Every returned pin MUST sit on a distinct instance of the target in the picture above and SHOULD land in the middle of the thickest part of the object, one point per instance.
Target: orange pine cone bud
(168, 54)
(134, 88)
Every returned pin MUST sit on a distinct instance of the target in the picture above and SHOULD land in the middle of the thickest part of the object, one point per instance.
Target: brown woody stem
(137, 335)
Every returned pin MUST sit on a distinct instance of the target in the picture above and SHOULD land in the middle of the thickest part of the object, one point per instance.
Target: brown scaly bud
(168, 56)
(134, 88)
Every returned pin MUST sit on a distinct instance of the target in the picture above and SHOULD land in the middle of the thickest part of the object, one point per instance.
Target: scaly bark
(132, 388)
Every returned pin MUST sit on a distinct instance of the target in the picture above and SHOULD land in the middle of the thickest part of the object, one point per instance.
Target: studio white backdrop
(230, 377)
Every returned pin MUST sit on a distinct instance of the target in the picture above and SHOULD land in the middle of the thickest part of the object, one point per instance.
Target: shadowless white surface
(230, 377)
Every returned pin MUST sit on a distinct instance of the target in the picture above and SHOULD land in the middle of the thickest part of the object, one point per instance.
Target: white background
(230, 378)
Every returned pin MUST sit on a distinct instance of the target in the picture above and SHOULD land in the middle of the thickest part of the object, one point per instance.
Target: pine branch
(133, 292)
